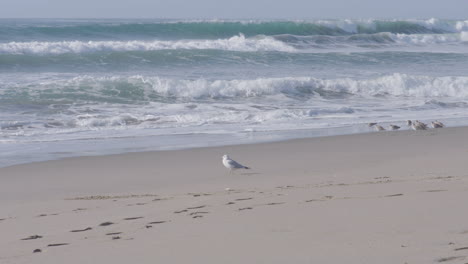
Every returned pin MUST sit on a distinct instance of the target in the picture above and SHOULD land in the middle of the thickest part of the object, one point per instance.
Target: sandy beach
(387, 197)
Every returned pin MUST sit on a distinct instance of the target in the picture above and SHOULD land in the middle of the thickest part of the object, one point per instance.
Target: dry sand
(388, 197)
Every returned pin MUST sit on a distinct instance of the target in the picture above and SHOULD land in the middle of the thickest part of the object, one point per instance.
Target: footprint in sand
(197, 216)
(106, 224)
(32, 237)
(462, 248)
(113, 234)
(394, 195)
(313, 200)
(198, 213)
(57, 245)
(133, 218)
(157, 222)
(245, 208)
(181, 211)
(450, 258)
(199, 194)
(81, 230)
(244, 199)
(229, 203)
(196, 207)
(274, 203)
(436, 191)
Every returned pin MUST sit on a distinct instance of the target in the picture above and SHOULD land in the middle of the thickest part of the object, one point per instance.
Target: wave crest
(138, 89)
(235, 43)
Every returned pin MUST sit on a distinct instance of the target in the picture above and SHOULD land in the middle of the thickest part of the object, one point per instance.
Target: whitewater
(96, 86)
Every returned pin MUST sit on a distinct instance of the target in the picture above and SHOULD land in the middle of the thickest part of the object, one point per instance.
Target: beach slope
(390, 197)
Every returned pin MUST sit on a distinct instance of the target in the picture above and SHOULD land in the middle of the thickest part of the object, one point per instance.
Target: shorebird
(379, 128)
(416, 125)
(371, 124)
(232, 164)
(437, 124)
(393, 127)
(409, 123)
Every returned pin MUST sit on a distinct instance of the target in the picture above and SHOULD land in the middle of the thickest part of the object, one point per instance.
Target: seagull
(409, 123)
(393, 127)
(371, 124)
(232, 164)
(416, 125)
(437, 124)
(379, 128)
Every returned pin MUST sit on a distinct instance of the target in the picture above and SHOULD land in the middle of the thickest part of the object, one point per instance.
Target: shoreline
(62, 149)
(374, 198)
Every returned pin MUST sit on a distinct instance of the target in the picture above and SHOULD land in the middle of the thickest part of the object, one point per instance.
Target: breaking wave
(144, 89)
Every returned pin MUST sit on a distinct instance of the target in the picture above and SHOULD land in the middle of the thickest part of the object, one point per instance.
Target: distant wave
(139, 89)
(235, 43)
(112, 30)
(280, 43)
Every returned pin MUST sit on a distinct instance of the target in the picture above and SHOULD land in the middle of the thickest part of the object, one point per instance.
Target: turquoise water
(90, 87)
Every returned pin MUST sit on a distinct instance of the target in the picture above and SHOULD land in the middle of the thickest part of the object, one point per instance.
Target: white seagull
(232, 164)
(393, 127)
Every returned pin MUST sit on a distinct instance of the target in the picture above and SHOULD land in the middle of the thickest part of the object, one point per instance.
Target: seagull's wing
(235, 164)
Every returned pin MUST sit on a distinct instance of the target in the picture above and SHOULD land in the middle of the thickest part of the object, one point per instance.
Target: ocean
(75, 87)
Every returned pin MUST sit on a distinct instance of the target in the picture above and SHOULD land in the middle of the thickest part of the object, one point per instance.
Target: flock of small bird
(415, 125)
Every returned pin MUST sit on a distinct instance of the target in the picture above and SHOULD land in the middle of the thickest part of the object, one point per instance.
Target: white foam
(235, 43)
(187, 89)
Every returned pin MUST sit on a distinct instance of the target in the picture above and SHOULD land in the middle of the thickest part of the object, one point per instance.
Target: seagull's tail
(247, 168)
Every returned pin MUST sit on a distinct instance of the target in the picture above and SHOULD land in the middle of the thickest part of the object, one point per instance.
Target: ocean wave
(144, 89)
(374, 41)
(22, 30)
(235, 43)
(279, 43)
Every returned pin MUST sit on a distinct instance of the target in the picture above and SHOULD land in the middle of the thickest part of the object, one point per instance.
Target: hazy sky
(234, 8)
